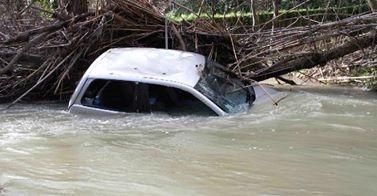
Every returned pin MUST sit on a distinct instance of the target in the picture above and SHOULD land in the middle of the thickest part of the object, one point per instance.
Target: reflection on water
(312, 143)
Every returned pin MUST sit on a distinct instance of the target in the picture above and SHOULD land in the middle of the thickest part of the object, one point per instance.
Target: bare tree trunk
(20, 4)
(213, 7)
(75, 7)
(276, 6)
(254, 15)
(13, 5)
(373, 5)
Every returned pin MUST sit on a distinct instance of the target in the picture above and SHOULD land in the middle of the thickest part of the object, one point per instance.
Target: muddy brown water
(316, 142)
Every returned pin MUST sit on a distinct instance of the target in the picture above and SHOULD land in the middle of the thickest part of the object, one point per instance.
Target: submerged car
(144, 80)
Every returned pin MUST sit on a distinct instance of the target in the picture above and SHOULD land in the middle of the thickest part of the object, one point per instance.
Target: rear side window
(126, 96)
(225, 89)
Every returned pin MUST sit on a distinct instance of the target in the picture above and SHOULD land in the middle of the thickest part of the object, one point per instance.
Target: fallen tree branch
(347, 78)
(40, 81)
(319, 58)
(19, 54)
(179, 37)
(4, 35)
(290, 82)
(24, 36)
(25, 57)
(137, 23)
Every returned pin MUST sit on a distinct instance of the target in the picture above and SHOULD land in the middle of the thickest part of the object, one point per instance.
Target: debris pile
(44, 57)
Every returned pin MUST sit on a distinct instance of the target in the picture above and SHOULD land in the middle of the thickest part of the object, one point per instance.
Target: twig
(179, 37)
(40, 81)
(24, 36)
(32, 43)
(347, 78)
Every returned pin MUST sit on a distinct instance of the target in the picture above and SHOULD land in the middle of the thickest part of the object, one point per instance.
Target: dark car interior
(136, 97)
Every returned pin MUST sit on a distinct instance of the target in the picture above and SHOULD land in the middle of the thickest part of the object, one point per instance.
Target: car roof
(138, 64)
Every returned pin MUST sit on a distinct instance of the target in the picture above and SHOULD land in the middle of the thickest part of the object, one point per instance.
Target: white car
(144, 80)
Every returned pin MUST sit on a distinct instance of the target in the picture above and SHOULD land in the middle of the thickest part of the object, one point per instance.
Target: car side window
(128, 96)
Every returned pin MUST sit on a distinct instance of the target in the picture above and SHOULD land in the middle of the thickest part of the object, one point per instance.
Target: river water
(313, 143)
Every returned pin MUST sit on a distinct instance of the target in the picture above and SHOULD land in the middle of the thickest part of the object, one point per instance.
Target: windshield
(224, 88)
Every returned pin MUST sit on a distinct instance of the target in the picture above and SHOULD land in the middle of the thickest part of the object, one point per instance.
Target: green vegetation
(266, 15)
(46, 4)
(370, 83)
(225, 6)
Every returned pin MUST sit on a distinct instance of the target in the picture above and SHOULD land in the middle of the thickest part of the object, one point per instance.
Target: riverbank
(318, 83)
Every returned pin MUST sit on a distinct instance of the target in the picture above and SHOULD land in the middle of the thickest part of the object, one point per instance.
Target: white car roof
(138, 64)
